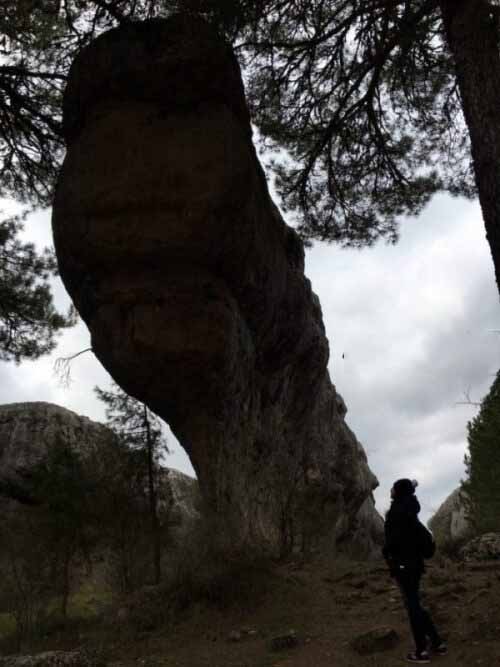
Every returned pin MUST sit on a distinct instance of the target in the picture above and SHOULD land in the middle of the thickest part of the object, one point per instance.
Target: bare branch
(62, 367)
(468, 400)
(9, 70)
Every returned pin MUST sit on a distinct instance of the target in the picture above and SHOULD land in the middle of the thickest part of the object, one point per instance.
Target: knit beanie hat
(404, 487)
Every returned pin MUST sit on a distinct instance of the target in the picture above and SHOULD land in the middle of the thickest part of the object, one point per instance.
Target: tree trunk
(67, 556)
(153, 505)
(471, 30)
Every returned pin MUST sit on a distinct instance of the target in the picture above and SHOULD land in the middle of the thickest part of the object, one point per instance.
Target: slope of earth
(305, 616)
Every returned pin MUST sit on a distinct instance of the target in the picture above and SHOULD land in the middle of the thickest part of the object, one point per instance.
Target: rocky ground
(299, 616)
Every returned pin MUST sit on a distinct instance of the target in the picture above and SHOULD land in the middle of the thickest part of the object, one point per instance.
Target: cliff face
(193, 286)
(29, 430)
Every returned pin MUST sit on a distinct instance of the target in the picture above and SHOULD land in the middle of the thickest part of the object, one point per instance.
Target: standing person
(402, 552)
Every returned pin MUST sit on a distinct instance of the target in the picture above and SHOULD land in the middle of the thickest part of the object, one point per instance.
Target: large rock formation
(28, 431)
(193, 286)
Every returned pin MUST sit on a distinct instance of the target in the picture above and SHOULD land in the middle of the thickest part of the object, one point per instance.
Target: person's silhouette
(406, 564)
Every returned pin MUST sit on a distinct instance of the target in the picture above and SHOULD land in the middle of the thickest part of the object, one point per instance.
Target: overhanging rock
(193, 286)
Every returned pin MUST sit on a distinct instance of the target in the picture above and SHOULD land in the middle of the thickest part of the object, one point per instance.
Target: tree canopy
(134, 424)
(363, 97)
(38, 41)
(29, 322)
(378, 104)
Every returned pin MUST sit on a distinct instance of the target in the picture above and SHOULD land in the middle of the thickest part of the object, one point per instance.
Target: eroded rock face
(178, 503)
(29, 430)
(450, 523)
(193, 286)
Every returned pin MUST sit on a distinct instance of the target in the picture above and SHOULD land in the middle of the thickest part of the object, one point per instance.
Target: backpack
(425, 541)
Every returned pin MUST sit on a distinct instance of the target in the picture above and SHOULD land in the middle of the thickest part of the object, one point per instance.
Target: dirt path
(327, 606)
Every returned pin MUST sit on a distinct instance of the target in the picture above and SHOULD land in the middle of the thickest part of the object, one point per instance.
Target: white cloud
(413, 322)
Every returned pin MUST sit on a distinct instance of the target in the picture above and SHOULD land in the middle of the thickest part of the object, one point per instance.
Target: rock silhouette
(193, 286)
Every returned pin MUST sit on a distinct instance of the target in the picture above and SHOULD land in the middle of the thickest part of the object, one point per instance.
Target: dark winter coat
(401, 548)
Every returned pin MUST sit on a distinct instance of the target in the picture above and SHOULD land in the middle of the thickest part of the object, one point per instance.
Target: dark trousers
(421, 623)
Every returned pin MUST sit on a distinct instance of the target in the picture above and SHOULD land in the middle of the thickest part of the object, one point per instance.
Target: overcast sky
(411, 330)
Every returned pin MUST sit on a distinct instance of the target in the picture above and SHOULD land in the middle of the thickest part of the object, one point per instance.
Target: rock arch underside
(193, 286)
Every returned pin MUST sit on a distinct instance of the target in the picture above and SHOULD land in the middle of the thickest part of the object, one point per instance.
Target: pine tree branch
(13, 70)
(111, 9)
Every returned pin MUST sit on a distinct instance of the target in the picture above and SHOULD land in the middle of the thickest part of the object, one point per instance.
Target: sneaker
(440, 649)
(418, 658)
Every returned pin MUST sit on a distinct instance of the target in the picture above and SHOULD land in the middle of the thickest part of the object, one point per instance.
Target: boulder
(484, 547)
(193, 286)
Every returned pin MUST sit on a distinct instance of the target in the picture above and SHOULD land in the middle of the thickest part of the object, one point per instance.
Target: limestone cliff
(29, 430)
(193, 287)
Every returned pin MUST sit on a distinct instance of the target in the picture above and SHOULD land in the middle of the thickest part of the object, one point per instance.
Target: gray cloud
(414, 324)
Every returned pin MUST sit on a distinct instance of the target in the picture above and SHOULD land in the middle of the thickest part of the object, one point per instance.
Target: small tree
(43, 540)
(481, 487)
(26, 582)
(123, 514)
(140, 430)
(70, 519)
